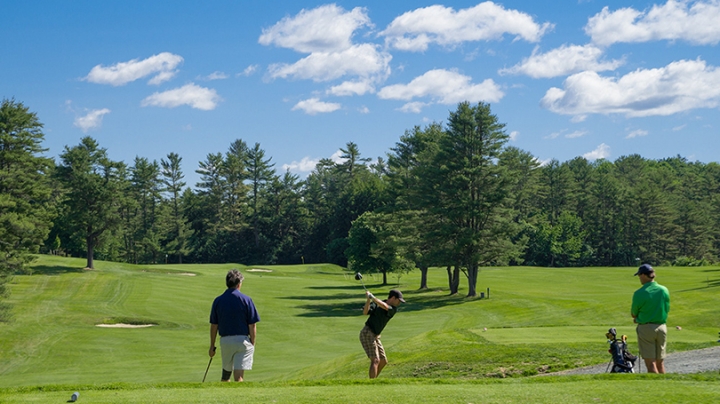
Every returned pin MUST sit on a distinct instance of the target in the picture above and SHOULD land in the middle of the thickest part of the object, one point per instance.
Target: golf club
(208, 366)
(359, 277)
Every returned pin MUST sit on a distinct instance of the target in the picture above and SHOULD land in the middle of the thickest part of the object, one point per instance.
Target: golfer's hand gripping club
(369, 295)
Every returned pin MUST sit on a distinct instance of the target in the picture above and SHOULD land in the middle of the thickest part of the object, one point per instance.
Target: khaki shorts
(237, 352)
(371, 344)
(652, 339)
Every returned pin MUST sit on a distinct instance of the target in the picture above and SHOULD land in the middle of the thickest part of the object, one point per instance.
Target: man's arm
(253, 332)
(372, 298)
(213, 335)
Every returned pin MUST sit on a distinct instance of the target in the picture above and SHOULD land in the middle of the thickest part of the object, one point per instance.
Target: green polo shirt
(651, 304)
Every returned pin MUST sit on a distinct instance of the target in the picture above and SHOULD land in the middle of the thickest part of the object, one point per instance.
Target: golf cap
(396, 293)
(645, 269)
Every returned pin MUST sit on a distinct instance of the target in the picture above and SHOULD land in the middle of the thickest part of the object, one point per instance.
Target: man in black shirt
(380, 312)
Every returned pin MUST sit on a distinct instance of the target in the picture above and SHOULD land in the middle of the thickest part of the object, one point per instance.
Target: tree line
(451, 195)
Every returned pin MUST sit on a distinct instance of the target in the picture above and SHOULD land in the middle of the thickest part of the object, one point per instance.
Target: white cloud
(92, 120)
(543, 163)
(352, 88)
(363, 60)
(514, 135)
(250, 70)
(601, 152)
(326, 28)
(214, 76)
(414, 107)
(677, 87)
(445, 87)
(553, 135)
(636, 133)
(164, 64)
(680, 127)
(364, 110)
(190, 94)
(416, 30)
(336, 157)
(562, 61)
(576, 134)
(314, 106)
(695, 22)
(305, 165)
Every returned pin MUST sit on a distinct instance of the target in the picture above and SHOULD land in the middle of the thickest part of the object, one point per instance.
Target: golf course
(140, 334)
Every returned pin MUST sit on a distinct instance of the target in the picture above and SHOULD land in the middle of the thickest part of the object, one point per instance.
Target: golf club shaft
(206, 370)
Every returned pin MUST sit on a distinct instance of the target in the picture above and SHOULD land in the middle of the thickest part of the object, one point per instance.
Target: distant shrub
(690, 262)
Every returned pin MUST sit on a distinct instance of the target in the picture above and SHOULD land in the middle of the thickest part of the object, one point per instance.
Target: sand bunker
(121, 325)
(259, 270)
(187, 274)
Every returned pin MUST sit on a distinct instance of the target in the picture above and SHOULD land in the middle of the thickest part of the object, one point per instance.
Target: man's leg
(380, 366)
(374, 364)
(382, 358)
(650, 364)
(239, 374)
(660, 366)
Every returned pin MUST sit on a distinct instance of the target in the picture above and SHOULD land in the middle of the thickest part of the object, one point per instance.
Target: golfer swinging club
(234, 316)
(380, 313)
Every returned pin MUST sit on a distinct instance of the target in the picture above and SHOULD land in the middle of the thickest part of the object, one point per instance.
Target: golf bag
(622, 360)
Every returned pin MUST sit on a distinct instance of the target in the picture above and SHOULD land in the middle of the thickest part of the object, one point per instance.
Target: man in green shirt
(650, 308)
(380, 312)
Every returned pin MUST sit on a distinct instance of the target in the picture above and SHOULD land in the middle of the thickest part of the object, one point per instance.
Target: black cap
(645, 269)
(396, 293)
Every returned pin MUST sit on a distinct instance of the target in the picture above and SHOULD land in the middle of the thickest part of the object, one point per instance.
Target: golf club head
(358, 276)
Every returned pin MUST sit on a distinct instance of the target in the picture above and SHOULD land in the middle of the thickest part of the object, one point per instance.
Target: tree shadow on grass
(348, 287)
(708, 284)
(349, 305)
(53, 270)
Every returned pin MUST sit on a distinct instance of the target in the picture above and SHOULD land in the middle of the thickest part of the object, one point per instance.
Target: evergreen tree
(179, 229)
(26, 202)
(466, 187)
(92, 185)
(260, 172)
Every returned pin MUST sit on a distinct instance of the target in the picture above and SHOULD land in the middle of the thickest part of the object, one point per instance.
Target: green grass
(568, 389)
(538, 321)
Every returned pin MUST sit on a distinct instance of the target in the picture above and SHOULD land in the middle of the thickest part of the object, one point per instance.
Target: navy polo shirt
(233, 312)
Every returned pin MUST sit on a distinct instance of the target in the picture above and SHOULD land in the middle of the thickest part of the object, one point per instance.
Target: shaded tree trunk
(453, 279)
(90, 252)
(472, 274)
(423, 277)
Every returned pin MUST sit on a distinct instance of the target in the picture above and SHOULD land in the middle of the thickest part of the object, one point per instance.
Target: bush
(690, 262)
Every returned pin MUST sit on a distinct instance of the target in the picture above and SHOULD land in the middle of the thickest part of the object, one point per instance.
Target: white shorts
(237, 352)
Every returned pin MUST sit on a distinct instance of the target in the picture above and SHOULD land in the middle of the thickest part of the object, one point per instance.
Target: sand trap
(187, 274)
(121, 325)
(259, 270)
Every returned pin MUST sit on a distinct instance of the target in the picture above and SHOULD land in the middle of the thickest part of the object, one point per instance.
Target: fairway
(538, 321)
(544, 335)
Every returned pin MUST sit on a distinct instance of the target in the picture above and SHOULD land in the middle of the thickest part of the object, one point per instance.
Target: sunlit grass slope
(538, 320)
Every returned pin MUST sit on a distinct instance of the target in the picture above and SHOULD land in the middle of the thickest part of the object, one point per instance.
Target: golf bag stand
(622, 360)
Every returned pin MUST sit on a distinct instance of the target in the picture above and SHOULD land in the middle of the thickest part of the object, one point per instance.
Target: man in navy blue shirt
(234, 317)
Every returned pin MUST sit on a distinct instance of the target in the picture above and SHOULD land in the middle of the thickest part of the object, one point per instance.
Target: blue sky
(593, 78)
